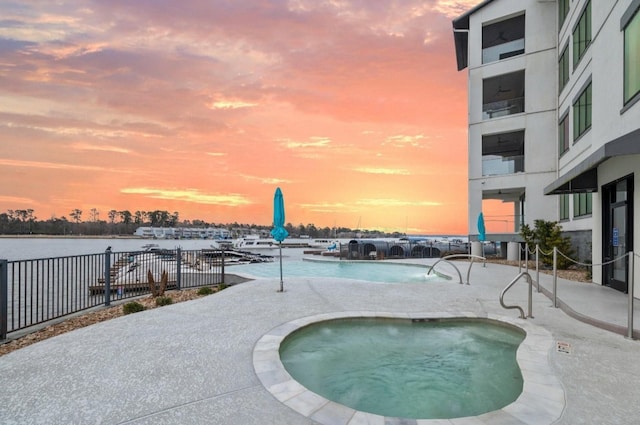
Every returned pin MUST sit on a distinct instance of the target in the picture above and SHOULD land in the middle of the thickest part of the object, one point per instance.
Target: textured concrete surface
(192, 363)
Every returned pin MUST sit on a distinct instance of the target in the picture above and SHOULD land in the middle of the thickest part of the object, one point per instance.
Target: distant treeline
(24, 222)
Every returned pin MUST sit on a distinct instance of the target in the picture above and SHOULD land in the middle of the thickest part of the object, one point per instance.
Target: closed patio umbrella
(482, 231)
(279, 233)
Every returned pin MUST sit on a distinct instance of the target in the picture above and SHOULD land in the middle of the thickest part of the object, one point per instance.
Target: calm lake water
(32, 248)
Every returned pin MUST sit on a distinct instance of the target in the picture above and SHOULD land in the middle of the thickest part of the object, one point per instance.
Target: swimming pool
(373, 271)
(542, 399)
(419, 369)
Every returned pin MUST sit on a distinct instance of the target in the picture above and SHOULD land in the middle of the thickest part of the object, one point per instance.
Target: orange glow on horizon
(355, 110)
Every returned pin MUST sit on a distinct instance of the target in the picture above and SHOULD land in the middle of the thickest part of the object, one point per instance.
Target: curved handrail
(513, 282)
(448, 257)
(449, 262)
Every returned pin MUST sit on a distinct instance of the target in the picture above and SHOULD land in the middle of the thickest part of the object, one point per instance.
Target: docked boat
(254, 243)
(328, 244)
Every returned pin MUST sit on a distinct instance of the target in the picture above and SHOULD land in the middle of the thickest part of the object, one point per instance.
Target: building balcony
(503, 95)
(502, 108)
(503, 51)
(504, 39)
(503, 153)
(493, 165)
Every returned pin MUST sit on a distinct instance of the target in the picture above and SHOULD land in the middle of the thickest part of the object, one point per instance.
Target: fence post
(107, 277)
(632, 259)
(537, 268)
(526, 257)
(555, 277)
(179, 268)
(4, 298)
(222, 268)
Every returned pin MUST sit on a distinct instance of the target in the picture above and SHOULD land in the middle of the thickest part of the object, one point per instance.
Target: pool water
(408, 369)
(382, 272)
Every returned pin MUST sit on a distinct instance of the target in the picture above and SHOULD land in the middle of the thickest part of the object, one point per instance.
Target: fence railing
(36, 291)
(553, 294)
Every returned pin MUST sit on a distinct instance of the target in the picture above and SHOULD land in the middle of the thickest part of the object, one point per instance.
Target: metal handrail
(470, 256)
(449, 262)
(513, 282)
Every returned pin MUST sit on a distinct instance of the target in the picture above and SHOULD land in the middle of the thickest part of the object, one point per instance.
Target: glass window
(582, 35)
(582, 204)
(582, 113)
(632, 58)
(563, 11)
(563, 69)
(563, 135)
(564, 207)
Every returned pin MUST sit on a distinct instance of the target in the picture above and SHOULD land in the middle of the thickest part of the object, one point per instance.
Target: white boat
(254, 243)
(328, 244)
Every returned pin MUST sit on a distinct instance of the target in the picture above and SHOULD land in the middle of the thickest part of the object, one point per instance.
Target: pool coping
(542, 400)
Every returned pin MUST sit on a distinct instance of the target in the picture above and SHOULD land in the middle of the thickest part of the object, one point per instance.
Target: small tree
(548, 234)
(157, 289)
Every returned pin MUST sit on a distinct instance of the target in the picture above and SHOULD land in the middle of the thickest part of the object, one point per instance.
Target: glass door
(617, 232)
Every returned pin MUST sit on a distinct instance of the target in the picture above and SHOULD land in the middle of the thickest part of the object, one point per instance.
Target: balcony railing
(503, 108)
(493, 165)
(503, 51)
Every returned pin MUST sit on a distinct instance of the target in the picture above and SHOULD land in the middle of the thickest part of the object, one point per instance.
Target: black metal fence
(36, 291)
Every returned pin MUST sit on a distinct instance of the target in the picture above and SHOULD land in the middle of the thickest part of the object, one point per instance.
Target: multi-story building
(554, 119)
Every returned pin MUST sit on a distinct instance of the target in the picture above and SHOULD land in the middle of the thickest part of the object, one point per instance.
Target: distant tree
(94, 215)
(112, 214)
(76, 215)
(174, 219)
(138, 217)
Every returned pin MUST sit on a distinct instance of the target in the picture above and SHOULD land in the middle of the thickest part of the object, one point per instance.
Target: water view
(372, 271)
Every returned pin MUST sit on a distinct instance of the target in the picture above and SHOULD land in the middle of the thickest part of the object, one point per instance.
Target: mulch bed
(91, 318)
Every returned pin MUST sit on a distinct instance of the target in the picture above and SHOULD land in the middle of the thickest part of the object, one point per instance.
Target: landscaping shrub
(548, 234)
(132, 307)
(222, 286)
(205, 290)
(160, 301)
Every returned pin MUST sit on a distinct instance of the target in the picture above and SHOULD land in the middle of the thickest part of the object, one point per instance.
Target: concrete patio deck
(192, 363)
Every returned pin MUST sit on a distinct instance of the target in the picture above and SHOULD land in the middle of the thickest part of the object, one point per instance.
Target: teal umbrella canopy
(279, 233)
(482, 231)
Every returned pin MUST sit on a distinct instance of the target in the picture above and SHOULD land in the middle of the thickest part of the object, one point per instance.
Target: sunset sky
(354, 108)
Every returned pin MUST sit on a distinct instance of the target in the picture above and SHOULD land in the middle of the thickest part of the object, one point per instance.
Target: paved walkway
(192, 363)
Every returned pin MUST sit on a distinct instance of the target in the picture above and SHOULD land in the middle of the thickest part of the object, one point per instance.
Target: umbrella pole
(281, 284)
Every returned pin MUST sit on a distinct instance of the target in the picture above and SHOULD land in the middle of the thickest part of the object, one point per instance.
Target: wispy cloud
(16, 200)
(103, 148)
(314, 142)
(382, 202)
(231, 104)
(189, 195)
(327, 207)
(405, 140)
(265, 180)
(385, 171)
(57, 166)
